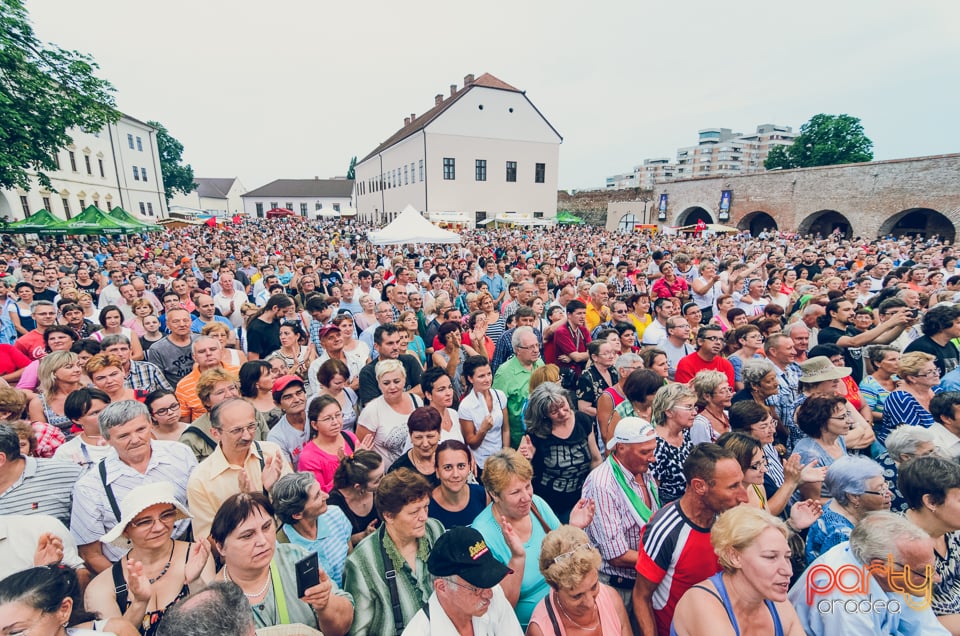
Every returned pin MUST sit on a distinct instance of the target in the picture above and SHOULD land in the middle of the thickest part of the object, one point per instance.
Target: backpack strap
(348, 441)
(107, 488)
(209, 441)
(390, 573)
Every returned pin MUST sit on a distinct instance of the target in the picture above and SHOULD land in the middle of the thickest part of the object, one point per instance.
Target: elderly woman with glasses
(599, 375)
(910, 404)
(560, 445)
(903, 444)
(577, 602)
(856, 487)
(674, 408)
(713, 394)
(931, 486)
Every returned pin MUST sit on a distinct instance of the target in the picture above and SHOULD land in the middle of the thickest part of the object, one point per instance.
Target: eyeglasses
(685, 407)
(566, 556)
(240, 430)
(467, 586)
(336, 417)
(532, 346)
(760, 465)
(167, 410)
(883, 492)
(934, 373)
(846, 417)
(166, 518)
(712, 338)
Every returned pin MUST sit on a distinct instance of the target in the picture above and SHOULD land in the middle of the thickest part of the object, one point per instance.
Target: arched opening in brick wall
(919, 223)
(690, 216)
(757, 222)
(824, 223)
(628, 223)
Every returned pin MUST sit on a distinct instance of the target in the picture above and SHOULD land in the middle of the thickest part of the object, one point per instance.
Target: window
(136, 173)
(143, 209)
(421, 170)
(538, 215)
(481, 216)
(273, 205)
(511, 171)
(130, 139)
(143, 173)
(481, 170)
(289, 205)
(449, 168)
(405, 181)
(260, 210)
(73, 160)
(26, 206)
(413, 172)
(139, 144)
(83, 204)
(56, 160)
(150, 208)
(66, 207)
(86, 161)
(303, 209)
(540, 173)
(100, 162)
(46, 204)
(336, 207)
(317, 206)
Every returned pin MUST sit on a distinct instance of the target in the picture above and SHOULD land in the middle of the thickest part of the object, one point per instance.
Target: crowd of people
(543, 430)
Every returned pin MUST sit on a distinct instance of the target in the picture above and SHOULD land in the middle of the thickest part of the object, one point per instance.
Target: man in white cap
(467, 598)
(625, 494)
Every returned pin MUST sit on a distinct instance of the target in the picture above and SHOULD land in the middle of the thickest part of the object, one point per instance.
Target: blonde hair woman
(751, 547)
(578, 602)
(910, 404)
(386, 416)
(59, 373)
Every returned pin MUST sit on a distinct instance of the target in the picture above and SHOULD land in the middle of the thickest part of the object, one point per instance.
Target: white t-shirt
(474, 408)
(77, 451)
(391, 437)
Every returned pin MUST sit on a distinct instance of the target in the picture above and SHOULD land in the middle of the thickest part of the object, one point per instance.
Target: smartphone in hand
(308, 574)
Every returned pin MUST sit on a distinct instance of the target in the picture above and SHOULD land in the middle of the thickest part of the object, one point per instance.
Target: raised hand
(526, 448)
(371, 528)
(199, 553)
(804, 514)
(513, 540)
(582, 514)
(246, 484)
(367, 443)
(318, 596)
(811, 473)
(272, 468)
(138, 584)
(49, 550)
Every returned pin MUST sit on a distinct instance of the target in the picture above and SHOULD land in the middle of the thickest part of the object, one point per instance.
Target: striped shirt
(43, 488)
(92, 515)
(615, 530)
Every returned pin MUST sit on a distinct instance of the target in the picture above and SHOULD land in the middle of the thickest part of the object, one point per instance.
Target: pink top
(321, 463)
(609, 620)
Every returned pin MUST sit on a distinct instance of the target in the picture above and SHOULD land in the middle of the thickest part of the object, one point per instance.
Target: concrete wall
(870, 197)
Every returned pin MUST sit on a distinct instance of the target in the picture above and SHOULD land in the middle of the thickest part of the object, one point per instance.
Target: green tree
(44, 92)
(177, 177)
(352, 170)
(825, 140)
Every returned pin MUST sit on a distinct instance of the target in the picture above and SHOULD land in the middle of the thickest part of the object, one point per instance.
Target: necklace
(570, 618)
(262, 591)
(165, 567)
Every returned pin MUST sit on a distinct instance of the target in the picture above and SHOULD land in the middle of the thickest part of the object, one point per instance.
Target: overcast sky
(294, 88)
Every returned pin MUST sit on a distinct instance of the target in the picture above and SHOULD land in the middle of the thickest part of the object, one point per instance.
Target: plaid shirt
(49, 438)
(788, 392)
(146, 376)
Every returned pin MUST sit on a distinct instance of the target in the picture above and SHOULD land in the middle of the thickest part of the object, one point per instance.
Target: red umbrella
(279, 212)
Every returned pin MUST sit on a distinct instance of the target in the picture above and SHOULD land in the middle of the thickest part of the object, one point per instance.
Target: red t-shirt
(11, 359)
(676, 555)
(693, 364)
(31, 345)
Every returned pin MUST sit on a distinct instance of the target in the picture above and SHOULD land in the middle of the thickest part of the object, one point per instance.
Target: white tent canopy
(411, 227)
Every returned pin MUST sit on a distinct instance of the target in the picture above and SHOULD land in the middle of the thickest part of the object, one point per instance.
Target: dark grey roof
(304, 188)
(214, 188)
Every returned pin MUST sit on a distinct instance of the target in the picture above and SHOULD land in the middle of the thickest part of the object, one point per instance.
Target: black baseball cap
(462, 551)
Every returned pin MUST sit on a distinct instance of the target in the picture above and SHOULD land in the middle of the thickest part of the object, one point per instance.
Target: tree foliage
(177, 177)
(44, 92)
(352, 170)
(825, 140)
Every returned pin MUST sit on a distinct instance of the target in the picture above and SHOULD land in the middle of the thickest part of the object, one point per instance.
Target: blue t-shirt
(476, 504)
(533, 588)
(331, 544)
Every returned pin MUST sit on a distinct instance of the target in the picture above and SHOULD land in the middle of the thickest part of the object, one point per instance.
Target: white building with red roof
(484, 153)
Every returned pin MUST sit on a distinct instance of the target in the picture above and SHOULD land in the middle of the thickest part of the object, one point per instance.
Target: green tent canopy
(565, 217)
(43, 222)
(93, 220)
(123, 216)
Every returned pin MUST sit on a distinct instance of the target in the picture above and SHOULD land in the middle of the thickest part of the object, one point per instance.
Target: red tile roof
(486, 80)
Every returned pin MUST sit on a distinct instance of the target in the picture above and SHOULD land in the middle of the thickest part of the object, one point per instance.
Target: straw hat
(138, 500)
(820, 369)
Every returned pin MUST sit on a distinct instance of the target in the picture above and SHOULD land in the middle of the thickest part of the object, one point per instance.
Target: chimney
(406, 121)
(413, 117)
(453, 90)
(438, 99)
(467, 80)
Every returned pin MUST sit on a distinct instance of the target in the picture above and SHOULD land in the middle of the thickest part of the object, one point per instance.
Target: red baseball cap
(280, 385)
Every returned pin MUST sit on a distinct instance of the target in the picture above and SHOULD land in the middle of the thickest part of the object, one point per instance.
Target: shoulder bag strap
(553, 615)
(390, 573)
(278, 596)
(119, 585)
(349, 442)
(109, 490)
(536, 513)
(203, 436)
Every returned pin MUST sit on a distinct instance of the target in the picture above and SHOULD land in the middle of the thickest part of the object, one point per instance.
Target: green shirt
(514, 381)
(364, 579)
